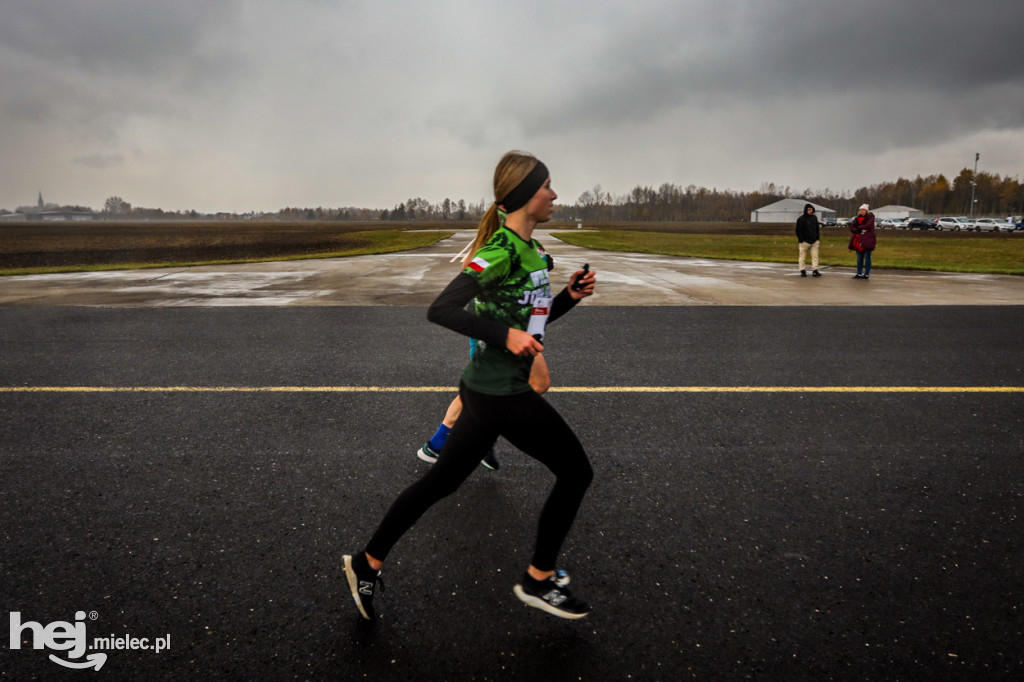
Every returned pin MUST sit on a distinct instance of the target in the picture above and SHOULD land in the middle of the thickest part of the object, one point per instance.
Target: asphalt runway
(749, 532)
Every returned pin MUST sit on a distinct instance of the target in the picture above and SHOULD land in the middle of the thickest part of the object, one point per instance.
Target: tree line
(447, 210)
(417, 209)
(933, 195)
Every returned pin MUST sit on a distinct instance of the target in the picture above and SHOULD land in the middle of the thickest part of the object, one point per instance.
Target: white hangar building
(890, 212)
(787, 211)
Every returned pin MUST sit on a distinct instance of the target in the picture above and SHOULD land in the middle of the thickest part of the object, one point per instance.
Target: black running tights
(528, 422)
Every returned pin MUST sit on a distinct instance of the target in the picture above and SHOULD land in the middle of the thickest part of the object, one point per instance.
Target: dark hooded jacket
(807, 229)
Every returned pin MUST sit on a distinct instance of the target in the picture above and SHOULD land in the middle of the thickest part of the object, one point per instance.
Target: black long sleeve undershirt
(449, 311)
(562, 304)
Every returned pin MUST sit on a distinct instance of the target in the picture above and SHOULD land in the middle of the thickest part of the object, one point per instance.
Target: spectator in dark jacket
(862, 230)
(808, 234)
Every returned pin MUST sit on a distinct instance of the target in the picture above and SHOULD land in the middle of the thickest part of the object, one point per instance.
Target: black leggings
(528, 422)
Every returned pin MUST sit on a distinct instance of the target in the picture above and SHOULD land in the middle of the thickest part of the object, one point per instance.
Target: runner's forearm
(562, 304)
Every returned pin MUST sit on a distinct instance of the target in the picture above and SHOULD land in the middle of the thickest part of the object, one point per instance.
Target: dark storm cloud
(83, 61)
(119, 36)
(950, 65)
(243, 104)
(944, 45)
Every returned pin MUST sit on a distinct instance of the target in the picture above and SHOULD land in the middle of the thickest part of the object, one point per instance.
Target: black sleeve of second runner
(449, 311)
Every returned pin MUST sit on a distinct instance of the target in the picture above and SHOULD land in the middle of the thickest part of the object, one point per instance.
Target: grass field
(40, 247)
(34, 248)
(951, 252)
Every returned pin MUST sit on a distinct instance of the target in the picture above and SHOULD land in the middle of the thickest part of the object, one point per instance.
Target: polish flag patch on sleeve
(478, 264)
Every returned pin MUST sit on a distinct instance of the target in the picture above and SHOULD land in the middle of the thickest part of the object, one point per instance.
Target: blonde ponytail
(491, 222)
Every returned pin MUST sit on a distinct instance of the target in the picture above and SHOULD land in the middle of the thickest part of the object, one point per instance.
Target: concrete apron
(416, 277)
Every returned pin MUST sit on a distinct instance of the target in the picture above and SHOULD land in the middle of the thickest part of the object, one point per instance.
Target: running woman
(508, 275)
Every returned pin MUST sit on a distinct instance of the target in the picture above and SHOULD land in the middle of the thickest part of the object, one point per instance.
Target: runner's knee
(579, 476)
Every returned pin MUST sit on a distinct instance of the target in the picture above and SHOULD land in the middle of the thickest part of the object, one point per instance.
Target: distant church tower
(40, 199)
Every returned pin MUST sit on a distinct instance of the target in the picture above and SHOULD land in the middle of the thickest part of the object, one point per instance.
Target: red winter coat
(865, 227)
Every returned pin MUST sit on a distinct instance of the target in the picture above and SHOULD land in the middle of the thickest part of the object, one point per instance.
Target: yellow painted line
(790, 389)
(554, 389)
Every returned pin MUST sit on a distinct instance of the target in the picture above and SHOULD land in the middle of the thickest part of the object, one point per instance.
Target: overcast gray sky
(261, 104)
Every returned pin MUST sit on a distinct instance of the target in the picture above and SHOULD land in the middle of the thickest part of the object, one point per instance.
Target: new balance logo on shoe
(554, 597)
(362, 581)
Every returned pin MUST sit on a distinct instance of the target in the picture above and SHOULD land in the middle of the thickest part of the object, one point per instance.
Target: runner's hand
(586, 284)
(522, 344)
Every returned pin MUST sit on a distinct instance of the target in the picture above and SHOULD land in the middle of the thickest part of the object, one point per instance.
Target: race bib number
(539, 316)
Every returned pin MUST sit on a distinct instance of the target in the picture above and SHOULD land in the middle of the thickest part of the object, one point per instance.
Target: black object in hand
(576, 286)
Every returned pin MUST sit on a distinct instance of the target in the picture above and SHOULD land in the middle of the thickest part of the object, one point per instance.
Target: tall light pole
(974, 183)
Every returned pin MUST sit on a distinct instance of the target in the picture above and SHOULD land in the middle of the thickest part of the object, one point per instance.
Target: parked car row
(976, 225)
(953, 224)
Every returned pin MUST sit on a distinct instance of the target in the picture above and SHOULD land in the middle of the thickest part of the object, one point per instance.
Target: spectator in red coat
(863, 240)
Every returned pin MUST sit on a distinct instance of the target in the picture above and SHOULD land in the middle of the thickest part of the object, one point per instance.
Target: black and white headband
(524, 191)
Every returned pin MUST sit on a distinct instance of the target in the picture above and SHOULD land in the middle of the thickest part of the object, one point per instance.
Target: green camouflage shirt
(515, 292)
